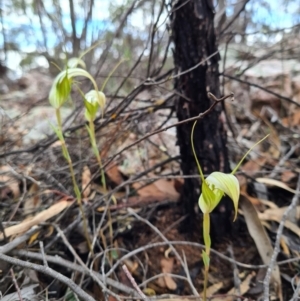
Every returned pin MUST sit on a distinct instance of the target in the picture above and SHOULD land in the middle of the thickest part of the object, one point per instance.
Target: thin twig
(236, 278)
(16, 284)
(132, 281)
(283, 160)
(297, 289)
(291, 207)
(43, 253)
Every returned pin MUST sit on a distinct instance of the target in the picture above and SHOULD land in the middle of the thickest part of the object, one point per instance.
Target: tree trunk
(194, 40)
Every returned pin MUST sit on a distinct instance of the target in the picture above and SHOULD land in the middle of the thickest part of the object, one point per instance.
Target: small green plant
(93, 101)
(214, 187)
(58, 96)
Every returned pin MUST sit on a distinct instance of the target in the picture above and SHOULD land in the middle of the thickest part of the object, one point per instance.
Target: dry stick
(132, 281)
(291, 207)
(43, 253)
(283, 160)
(236, 278)
(16, 284)
(297, 290)
(50, 272)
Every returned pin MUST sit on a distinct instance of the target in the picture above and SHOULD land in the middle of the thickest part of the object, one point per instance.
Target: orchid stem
(194, 152)
(103, 180)
(205, 255)
(75, 186)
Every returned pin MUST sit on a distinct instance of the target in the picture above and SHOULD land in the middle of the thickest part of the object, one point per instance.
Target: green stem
(241, 161)
(96, 152)
(206, 232)
(110, 74)
(103, 180)
(205, 255)
(205, 283)
(194, 152)
(75, 186)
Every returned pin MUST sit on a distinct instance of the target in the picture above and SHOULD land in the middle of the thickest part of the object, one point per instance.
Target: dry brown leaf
(261, 239)
(33, 237)
(211, 290)
(253, 166)
(32, 202)
(276, 215)
(275, 140)
(36, 220)
(276, 183)
(9, 181)
(257, 203)
(150, 190)
(131, 265)
(86, 182)
(288, 176)
(160, 190)
(244, 287)
(114, 174)
(167, 267)
(292, 120)
(168, 187)
(285, 248)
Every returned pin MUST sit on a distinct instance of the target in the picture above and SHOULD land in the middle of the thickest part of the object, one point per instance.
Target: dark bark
(194, 41)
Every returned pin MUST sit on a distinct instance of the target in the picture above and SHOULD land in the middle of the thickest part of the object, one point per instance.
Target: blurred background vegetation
(36, 33)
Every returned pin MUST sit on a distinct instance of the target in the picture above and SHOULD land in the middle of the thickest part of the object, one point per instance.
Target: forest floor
(137, 218)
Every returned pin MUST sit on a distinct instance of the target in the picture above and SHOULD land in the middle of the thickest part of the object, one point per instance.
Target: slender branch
(132, 281)
(16, 284)
(234, 17)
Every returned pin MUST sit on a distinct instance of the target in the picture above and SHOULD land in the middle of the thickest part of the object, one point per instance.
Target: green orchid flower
(218, 184)
(93, 100)
(61, 87)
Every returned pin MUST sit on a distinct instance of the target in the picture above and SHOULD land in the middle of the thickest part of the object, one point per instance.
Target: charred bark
(194, 42)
